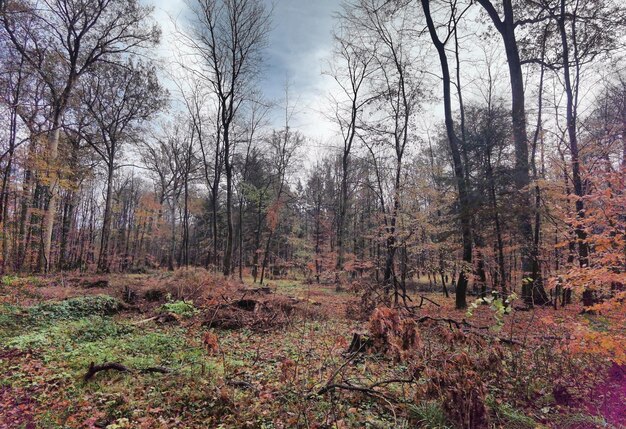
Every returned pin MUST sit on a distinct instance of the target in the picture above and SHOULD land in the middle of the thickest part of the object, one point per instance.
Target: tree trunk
(465, 216)
(228, 254)
(533, 291)
(581, 235)
(103, 257)
(341, 220)
(53, 187)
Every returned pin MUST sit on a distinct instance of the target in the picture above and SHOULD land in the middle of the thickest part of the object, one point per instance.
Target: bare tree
(283, 147)
(351, 67)
(118, 99)
(455, 147)
(227, 37)
(397, 93)
(532, 290)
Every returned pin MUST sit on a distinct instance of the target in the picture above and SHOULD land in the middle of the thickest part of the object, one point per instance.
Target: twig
(368, 390)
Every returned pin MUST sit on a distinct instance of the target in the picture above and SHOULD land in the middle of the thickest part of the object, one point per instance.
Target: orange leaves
(288, 370)
(210, 341)
(610, 345)
(273, 214)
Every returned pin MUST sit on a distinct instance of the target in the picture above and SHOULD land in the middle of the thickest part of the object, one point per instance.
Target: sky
(299, 47)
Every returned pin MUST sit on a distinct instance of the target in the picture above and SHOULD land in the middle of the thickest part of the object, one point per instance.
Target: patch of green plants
(582, 420)
(73, 345)
(510, 416)
(8, 280)
(180, 308)
(14, 318)
(75, 308)
(10, 315)
(430, 415)
(65, 335)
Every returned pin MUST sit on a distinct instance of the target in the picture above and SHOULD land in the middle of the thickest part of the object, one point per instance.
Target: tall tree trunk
(465, 216)
(228, 253)
(581, 235)
(103, 257)
(533, 290)
(257, 242)
(170, 255)
(53, 189)
(343, 201)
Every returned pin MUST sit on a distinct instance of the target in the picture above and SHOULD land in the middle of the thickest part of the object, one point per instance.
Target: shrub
(460, 388)
(179, 308)
(13, 317)
(393, 333)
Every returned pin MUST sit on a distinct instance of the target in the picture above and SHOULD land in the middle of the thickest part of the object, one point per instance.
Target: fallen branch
(368, 390)
(241, 384)
(450, 322)
(470, 329)
(422, 299)
(141, 322)
(94, 369)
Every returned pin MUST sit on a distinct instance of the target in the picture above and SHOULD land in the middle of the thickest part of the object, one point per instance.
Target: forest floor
(190, 350)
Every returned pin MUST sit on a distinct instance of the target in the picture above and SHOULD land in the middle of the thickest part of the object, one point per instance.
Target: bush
(13, 317)
(460, 388)
(393, 333)
(75, 308)
(179, 308)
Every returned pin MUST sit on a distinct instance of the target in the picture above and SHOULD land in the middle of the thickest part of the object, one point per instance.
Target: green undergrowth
(80, 331)
(430, 415)
(180, 308)
(75, 344)
(14, 318)
(510, 416)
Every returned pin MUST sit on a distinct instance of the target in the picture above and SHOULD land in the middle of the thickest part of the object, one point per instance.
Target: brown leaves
(210, 342)
(394, 333)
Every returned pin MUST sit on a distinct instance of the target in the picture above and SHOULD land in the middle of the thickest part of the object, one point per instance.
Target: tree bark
(103, 257)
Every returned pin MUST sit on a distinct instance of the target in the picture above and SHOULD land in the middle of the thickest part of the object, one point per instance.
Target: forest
(177, 250)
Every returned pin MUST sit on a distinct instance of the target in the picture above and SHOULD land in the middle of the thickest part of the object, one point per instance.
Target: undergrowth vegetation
(287, 358)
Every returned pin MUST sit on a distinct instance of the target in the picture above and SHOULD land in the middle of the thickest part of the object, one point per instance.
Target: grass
(430, 415)
(62, 338)
(510, 416)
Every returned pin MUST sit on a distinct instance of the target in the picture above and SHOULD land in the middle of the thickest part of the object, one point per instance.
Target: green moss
(8, 280)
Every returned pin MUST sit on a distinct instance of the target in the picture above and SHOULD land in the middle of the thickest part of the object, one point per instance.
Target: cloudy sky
(299, 46)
